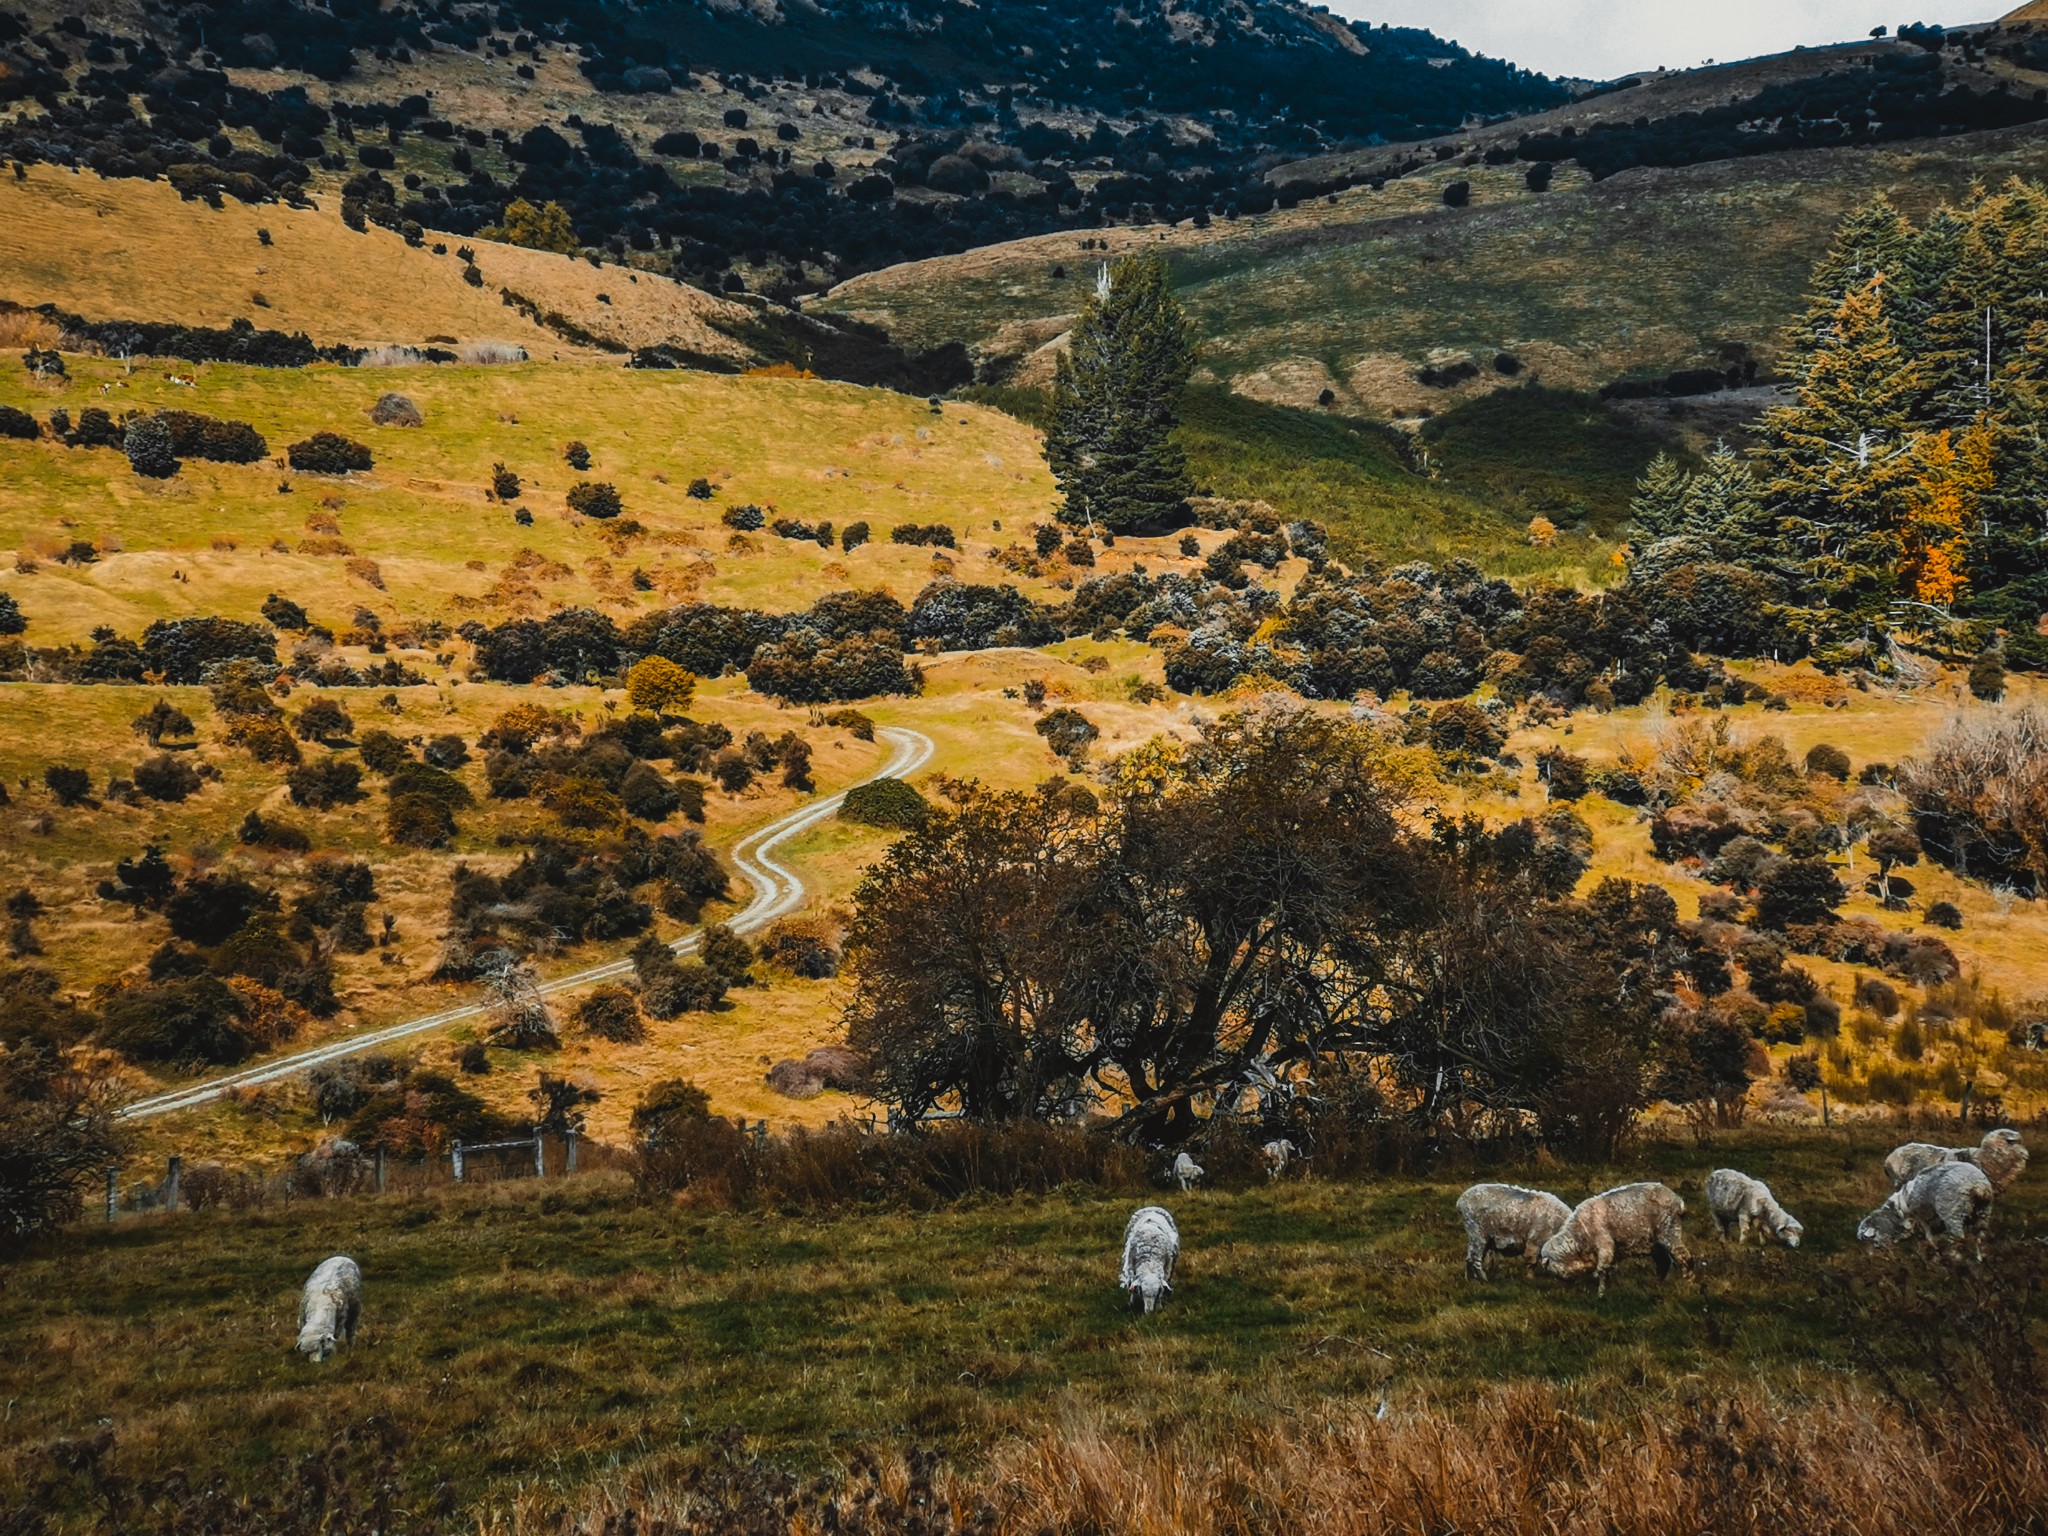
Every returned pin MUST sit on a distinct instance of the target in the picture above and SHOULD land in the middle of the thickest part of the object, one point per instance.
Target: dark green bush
(328, 453)
(885, 803)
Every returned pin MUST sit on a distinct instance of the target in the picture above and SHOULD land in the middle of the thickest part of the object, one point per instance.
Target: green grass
(546, 1336)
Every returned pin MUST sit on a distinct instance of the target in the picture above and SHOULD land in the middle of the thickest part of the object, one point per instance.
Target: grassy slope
(1647, 271)
(594, 1336)
(125, 250)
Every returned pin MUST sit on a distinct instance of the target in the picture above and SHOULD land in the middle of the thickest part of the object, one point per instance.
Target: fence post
(113, 1190)
(457, 1154)
(540, 1155)
(380, 1170)
(569, 1152)
(170, 1199)
(761, 1132)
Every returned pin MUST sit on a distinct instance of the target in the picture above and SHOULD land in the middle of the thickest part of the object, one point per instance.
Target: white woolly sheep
(2001, 1154)
(1151, 1247)
(1948, 1204)
(328, 1309)
(1506, 1218)
(1737, 1201)
(1276, 1155)
(1186, 1172)
(1616, 1224)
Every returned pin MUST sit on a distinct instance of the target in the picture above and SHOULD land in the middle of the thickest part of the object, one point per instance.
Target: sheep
(1186, 1172)
(2001, 1154)
(1276, 1155)
(1636, 1218)
(1738, 1201)
(1505, 1218)
(1151, 1245)
(328, 1309)
(1945, 1205)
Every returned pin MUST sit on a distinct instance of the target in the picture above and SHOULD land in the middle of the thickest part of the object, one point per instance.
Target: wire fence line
(778, 891)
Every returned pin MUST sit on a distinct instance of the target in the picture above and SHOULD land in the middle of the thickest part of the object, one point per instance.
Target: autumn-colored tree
(660, 687)
(546, 228)
(1954, 473)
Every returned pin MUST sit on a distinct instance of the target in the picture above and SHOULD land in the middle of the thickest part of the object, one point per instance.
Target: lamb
(2001, 1154)
(332, 1302)
(1505, 1218)
(1636, 1218)
(1945, 1205)
(1151, 1245)
(1276, 1155)
(1736, 1200)
(1186, 1172)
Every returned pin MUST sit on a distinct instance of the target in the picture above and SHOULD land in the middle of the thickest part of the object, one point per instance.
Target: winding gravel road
(778, 891)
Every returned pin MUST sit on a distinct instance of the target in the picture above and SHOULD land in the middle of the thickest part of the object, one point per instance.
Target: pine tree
(1839, 467)
(1723, 506)
(1115, 402)
(1870, 242)
(1657, 511)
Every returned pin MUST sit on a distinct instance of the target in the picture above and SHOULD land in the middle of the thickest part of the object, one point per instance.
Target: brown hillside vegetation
(131, 250)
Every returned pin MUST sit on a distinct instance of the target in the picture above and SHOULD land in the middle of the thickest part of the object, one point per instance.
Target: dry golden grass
(125, 249)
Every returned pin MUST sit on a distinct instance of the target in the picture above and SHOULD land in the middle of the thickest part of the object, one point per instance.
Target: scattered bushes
(746, 518)
(937, 535)
(205, 437)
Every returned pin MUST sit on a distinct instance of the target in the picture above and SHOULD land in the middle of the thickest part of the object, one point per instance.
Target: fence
(338, 1169)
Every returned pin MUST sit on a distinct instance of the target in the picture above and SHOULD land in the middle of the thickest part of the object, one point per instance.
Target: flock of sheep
(1942, 1195)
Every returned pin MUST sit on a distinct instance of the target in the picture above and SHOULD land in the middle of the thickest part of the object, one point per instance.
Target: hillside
(1397, 304)
(768, 147)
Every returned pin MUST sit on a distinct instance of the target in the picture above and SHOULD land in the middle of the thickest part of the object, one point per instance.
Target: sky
(1605, 39)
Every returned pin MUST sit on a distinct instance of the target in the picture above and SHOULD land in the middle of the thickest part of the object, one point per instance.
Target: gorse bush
(328, 453)
(596, 498)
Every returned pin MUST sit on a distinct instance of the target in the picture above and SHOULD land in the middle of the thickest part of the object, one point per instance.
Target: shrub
(418, 821)
(504, 484)
(328, 453)
(11, 620)
(852, 536)
(806, 669)
(1987, 676)
(699, 490)
(210, 909)
(747, 518)
(645, 793)
(325, 784)
(196, 1020)
(206, 437)
(732, 771)
(1877, 995)
(187, 650)
(936, 534)
(612, 1013)
(576, 456)
(801, 946)
(447, 751)
(58, 1133)
(168, 778)
(1067, 732)
(323, 720)
(71, 786)
(1825, 761)
(1458, 729)
(15, 422)
(147, 442)
(265, 739)
(396, 410)
(596, 498)
(283, 613)
(1945, 914)
(1564, 773)
(1797, 891)
(383, 753)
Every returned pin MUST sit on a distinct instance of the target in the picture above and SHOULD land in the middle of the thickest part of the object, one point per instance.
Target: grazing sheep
(1612, 1225)
(1945, 1205)
(1736, 1200)
(1186, 1172)
(2001, 1154)
(1151, 1245)
(332, 1302)
(1276, 1155)
(1505, 1218)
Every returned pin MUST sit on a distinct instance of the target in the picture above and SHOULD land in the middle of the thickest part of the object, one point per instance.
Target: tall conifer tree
(1116, 399)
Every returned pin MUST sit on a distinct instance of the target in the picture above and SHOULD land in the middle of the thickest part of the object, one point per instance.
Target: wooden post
(456, 1154)
(380, 1170)
(569, 1152)
(540, 1155)
(113, 1190)
(1963, 1113)
(170, 1198)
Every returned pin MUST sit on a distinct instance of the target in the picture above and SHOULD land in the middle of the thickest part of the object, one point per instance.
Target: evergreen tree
(1657, 511)
(1722, 506)
(1872, 241)
(1839, 467)
(1115, 402)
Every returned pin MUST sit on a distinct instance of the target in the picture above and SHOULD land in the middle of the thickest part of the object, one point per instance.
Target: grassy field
(539, 1338)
